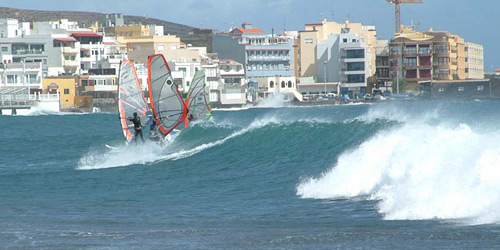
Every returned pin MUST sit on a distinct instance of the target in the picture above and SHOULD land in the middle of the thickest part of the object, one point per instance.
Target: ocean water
(392, 175)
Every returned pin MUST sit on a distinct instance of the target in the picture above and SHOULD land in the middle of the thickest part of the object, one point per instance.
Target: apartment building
(308, 41)
(474, 61)
(430, 55)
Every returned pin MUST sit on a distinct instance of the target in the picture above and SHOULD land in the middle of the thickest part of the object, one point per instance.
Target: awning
(85, 34)
(65, 39)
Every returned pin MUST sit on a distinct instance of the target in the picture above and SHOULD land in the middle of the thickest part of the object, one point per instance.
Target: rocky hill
(85, 18)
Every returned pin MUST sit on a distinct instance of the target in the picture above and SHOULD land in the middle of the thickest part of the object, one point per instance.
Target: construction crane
(398, 11)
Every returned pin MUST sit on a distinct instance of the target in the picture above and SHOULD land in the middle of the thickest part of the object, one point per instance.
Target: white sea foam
(231, 109)
(419, 171)
(34, 111)
(394, 113)
(148, 153)
(273, 101)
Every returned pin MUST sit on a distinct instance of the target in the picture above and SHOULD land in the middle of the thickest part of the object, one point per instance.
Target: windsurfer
(137, 127)
(153, 135)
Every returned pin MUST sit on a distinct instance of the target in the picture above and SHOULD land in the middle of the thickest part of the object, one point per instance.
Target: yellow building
(138, 30)
(139, 48)
(431, 55)
(308, 40)
(65, 86)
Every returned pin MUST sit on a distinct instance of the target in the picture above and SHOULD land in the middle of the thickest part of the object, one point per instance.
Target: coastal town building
(233, 84)
(342, 53)
(21, 74)
(114, 20)
(10, 28)
(431, 55)
(64, 86)
(383, 80)
(474, 61)
(262, 55)
(308, 39)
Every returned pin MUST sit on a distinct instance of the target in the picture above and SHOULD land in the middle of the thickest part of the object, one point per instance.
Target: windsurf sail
(168, 107)
(197, 101)
(130, 98)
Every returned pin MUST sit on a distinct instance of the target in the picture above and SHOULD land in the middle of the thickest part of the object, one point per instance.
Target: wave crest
(419, 172)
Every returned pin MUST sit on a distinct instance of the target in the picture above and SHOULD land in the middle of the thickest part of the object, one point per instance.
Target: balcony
(268, 59)
(410, 65)
(69, 63)
(69, 50)
(27, 52)
(425, 66)
(442, 52)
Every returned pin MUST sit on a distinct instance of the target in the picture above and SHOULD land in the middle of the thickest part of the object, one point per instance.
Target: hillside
(85, 18)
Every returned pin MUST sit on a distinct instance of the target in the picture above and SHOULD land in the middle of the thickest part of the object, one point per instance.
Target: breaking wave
(418, 170)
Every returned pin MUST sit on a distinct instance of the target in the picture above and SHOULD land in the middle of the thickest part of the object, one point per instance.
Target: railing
(69, 50)
(261, 58)
(44, 97)
(27, 52)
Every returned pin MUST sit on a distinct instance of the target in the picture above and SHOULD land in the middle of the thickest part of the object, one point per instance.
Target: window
(309, 41)
(290, 84)
(411, 62)
(345, 40)
(66, 91)
(410, 49)
(356, 53)
(442, 61)
(441, 48)
(187, 83)
(283, 84)
(460, 89)
(356, 66)
(424, 50)
(5, 49)
(480, 88)
(271, 84)
(395, 50)
(11, 78)
(32, 78)
(161, 47)
(356, 78)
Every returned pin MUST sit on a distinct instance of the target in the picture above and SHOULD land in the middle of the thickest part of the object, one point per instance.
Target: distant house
(246, 28)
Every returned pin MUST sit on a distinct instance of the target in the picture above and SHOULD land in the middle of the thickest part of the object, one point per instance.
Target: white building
(21, 75)
(474, 61)
(10, 28)
(344, 58)
(233, 85)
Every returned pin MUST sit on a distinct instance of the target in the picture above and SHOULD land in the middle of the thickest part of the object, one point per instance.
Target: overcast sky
(474, 20)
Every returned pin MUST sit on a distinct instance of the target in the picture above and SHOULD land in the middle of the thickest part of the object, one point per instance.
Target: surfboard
(110, 147)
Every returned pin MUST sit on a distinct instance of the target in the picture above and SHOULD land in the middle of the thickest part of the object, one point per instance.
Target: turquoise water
(394, 175)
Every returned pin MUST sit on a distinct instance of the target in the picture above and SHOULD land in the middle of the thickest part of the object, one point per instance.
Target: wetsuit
(153, 136)
(137, 128)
